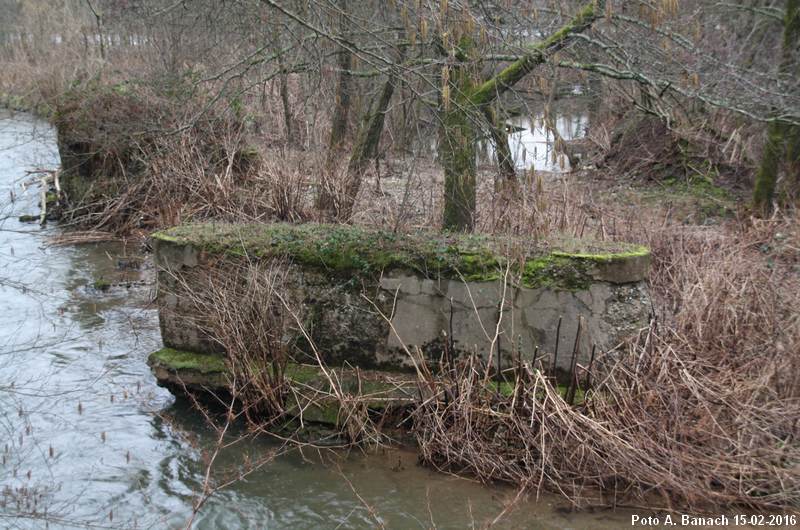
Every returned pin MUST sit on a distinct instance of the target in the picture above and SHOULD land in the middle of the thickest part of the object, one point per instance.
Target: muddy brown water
(89, 440)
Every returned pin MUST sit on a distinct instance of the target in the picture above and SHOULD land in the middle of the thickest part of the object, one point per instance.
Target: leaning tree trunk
(367, 141)
(783, 139)
(458, 133)
(365, 147)
(505, 160)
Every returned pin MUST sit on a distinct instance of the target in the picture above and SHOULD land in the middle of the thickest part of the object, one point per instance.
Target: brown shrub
(701, 411)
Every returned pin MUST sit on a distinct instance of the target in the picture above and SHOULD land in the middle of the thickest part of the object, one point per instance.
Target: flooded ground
(532, 144)
(89, 440)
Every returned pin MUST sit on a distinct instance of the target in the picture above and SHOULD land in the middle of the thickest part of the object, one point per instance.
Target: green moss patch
(177, 361)
(365, 382)
(354, 251)
(311, 389)
(556, 271)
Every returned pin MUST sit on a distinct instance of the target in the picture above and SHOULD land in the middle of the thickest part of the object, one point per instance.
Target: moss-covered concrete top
(354, 250)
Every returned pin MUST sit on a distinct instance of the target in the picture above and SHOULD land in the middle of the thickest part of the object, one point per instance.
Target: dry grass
(655, 430)
(701, 411)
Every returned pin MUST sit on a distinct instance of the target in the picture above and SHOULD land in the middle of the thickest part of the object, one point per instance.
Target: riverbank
(685, 241)
(77, 326)
(701, 243)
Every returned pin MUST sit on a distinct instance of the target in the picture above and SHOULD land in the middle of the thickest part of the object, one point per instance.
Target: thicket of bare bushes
(702, 409)
(127, 166)
(130, 164)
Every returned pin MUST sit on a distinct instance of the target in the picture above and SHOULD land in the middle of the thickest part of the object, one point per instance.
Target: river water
(90, 440)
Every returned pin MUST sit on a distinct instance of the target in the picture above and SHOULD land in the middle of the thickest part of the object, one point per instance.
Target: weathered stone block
(368, 297)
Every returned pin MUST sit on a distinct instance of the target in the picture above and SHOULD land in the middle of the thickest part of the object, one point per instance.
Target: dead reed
(700, 411)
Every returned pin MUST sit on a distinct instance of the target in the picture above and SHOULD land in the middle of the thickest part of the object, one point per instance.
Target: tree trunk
(327, 196)
(366, 146)
(458, 134)
(283, 89)
(560, 146)
(537, 54)
(794, 158)
(791, 61)
(505, 160)
(341, 111)
(287, 107)
(367, 142)
(767, 175)
(457, 151)
(783, 140)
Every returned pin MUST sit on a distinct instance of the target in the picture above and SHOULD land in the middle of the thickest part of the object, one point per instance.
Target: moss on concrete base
(178, 361)
(381, 391)
(312, 394)
(181, 370)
